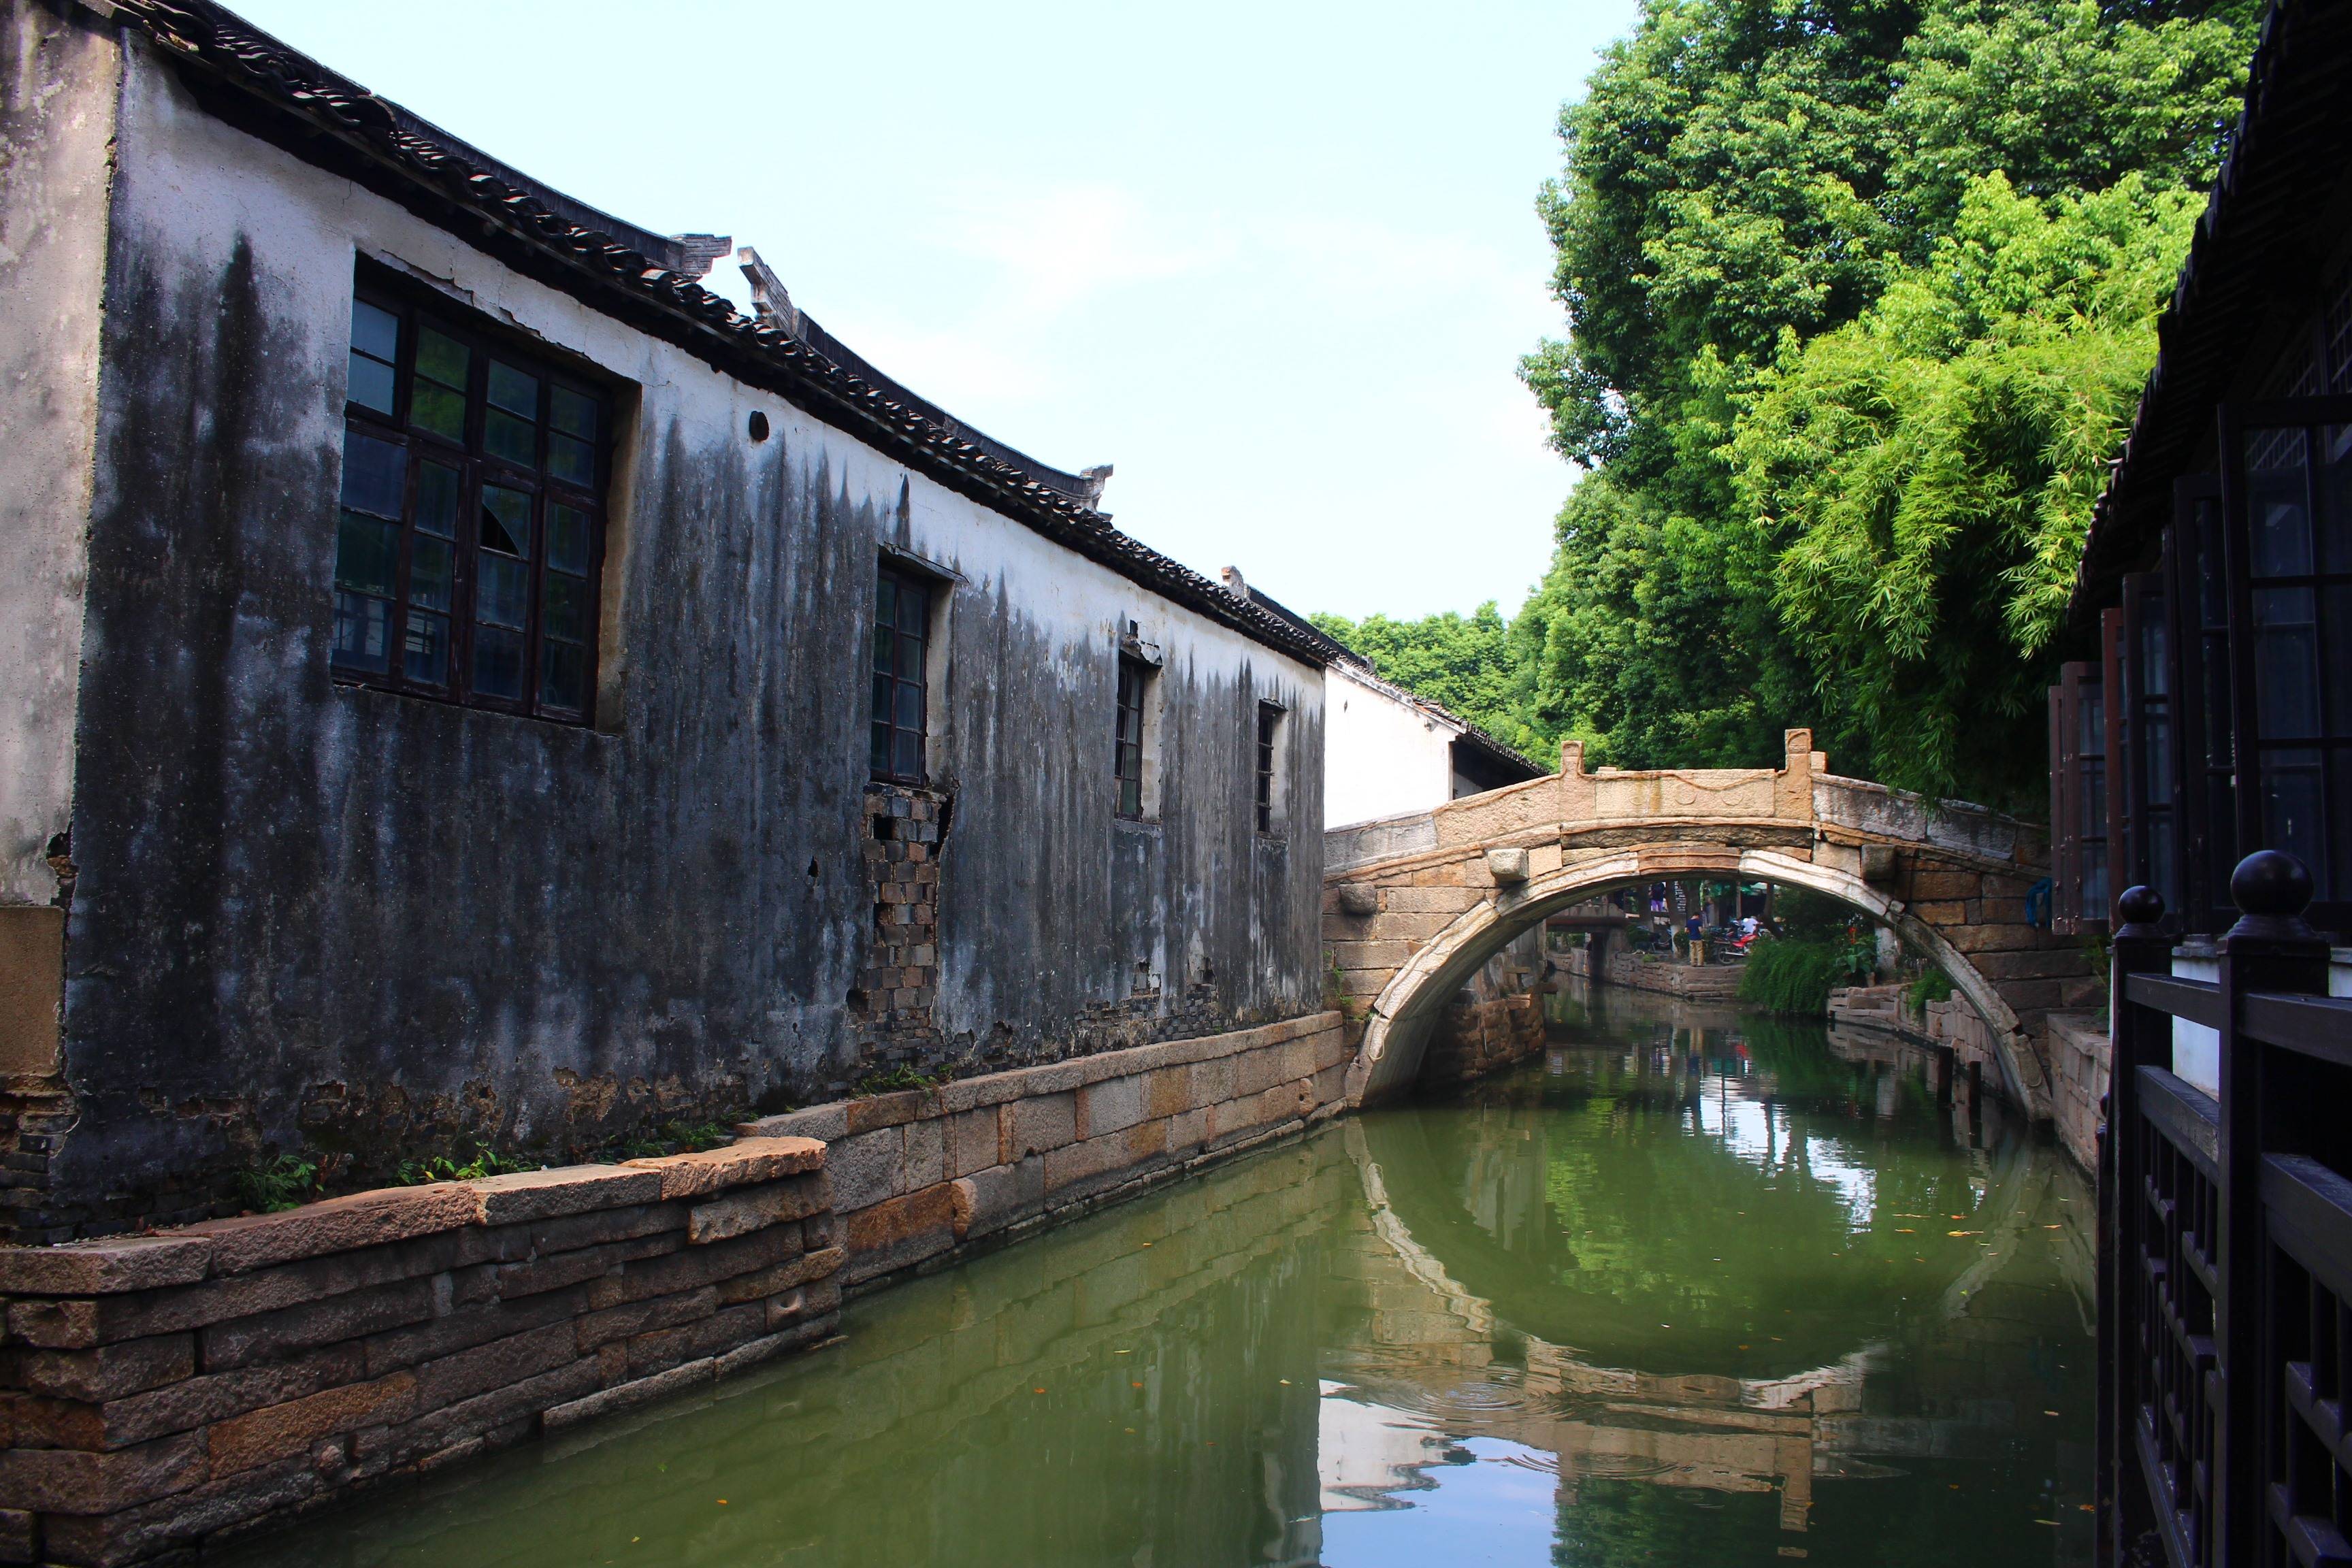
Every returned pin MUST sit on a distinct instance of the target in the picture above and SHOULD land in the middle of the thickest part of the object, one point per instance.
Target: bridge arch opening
(1397, 1032)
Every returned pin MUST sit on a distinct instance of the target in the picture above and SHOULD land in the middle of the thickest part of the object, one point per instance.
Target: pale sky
(1276, 263)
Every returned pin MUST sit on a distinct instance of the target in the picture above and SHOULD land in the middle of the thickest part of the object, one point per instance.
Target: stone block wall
(158, 1392)
(918, 1174)
(1475, 1039)
(2079, 1059)
(1673, 978)
(1878, 1007)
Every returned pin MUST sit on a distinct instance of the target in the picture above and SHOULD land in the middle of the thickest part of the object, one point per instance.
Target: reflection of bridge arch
(1457, 1348)
(1722, 1433)
(1419, 903)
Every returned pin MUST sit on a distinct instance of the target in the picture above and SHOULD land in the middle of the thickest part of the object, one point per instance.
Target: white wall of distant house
(1383, 756)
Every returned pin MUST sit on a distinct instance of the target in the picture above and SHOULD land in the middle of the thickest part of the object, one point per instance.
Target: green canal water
(1693, 1287)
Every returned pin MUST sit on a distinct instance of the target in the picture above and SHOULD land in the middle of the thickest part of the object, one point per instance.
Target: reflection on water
(1698, 1287)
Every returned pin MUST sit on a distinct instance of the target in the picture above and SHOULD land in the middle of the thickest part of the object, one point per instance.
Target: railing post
(2269, 949)
(2137, 1037)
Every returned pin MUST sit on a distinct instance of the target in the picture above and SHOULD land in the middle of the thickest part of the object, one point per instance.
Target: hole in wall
(882, 828)
(811, 867)
(759, 425)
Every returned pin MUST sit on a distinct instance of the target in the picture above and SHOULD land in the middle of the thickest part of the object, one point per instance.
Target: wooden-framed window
(470, 535)
(2138, 679)
(2287, 505)
(902, 631)
(1269, 731)
(1134, 679)
(2199, 573)
(2078, 801)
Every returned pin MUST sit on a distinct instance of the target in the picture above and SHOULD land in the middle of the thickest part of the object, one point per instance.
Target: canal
(1695, 1287)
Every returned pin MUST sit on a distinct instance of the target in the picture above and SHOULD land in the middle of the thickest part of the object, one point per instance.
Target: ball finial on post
(2271, 882)
(2138, 910)
(2272, 888)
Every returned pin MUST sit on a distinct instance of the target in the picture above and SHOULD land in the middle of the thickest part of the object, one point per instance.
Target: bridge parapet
(1414, 903)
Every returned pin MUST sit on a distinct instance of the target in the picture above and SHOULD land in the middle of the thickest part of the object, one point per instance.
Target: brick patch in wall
(893, 1006)
(159, 1392)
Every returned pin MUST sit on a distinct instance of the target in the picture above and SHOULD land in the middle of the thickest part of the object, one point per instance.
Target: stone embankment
(157, 1390)
(2076, 1047)
(1666, 975)
(918, 1174)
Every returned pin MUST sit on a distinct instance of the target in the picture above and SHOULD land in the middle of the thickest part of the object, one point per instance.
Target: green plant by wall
(285, 1183)
(1796, 974)
(891, 1079)
(441, 1168)
(1933, 985)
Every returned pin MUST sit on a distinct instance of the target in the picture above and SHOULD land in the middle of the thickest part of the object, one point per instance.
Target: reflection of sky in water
(1765, 1137)
(1480, 1499)
(1745, 1127)
(1856, 1185)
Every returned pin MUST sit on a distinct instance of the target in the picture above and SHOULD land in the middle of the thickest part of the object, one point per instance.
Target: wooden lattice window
(902, 622)
(470, 540)
(2078, 801)
(2286, 494)
(2198, 572)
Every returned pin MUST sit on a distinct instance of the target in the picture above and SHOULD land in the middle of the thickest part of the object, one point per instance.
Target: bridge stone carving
(1414, 905)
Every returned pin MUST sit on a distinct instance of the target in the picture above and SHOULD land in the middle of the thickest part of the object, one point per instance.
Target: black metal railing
(2225, 1325)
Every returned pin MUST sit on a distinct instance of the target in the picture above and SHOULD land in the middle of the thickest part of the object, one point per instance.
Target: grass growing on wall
(1933, 985)
(1794, 974)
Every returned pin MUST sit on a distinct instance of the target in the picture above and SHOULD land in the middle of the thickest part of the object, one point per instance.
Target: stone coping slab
(842, 1119)
(220, 1248)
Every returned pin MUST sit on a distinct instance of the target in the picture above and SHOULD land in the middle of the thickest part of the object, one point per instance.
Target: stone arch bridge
(1414, 905)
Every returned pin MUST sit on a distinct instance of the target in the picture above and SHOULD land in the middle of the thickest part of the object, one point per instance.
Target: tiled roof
(2269, 224)
(252, 80)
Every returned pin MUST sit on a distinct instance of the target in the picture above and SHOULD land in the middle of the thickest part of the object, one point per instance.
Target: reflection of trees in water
(1899, 1345)
(1591, 1202)
(1787, 1058)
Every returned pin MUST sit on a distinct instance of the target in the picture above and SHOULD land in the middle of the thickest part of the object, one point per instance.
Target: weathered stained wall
(58, 86)
(57, 121)
(318, 915)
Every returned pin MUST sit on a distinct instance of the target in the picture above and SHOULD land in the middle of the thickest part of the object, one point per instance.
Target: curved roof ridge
(250, 79)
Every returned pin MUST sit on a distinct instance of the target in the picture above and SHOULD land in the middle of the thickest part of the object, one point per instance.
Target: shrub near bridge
(1795, 974)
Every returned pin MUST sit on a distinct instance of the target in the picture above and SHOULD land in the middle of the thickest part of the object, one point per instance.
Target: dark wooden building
(2201, 798)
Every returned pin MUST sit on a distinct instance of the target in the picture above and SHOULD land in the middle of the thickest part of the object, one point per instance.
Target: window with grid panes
(902, 619)
(1269, 722)
(470, 535)
(2287, 489)
(2207, 728)
(2078, 797)
(1133, 676)
(2152, 791)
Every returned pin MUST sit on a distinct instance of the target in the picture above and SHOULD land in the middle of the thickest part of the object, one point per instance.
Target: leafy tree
(1461, 665)
(1927, 472)
(1747, 179)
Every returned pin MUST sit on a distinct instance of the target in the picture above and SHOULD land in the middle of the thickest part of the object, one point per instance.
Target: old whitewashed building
(469, 685)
